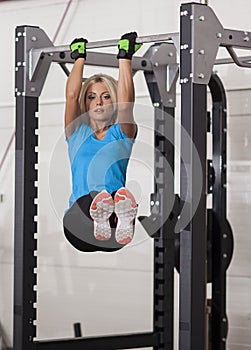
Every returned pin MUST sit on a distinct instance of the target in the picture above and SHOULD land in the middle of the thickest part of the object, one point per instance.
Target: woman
(100, 132)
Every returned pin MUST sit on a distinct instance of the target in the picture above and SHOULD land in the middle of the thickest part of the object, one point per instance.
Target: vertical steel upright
(25, 208)
(164, 239)
(161, 199)
(193, 279)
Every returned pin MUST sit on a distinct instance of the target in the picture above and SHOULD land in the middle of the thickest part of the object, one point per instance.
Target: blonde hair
(112, 86)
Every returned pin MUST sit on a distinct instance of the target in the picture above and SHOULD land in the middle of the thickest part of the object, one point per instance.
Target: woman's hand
(127, 45)
(78, 48)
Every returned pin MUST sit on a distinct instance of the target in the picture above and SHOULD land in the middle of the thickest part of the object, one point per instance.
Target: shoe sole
(101, 209)
(126, 211)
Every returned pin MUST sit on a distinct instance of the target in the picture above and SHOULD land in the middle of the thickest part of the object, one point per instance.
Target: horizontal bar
(219, 61)
(236, 38)
(101, 59)
(126, 341)
(112, 42)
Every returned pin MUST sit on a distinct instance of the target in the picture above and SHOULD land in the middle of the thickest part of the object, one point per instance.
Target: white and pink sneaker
(126, 211)
(101, 209)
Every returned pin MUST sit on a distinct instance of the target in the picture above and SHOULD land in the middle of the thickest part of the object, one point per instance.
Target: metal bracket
(33, 38)
(207, 32)
(207, 35)
(165, 71)
(152, 223)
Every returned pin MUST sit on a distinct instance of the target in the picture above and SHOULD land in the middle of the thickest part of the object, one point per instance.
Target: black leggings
(78, 227)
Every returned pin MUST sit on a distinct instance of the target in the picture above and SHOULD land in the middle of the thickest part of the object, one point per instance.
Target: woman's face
(99, 103)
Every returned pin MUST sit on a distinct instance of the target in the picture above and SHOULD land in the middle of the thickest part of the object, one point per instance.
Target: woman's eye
(106, 97)
(91, 97)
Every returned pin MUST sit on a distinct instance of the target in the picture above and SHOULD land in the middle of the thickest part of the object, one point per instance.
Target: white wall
(112, 293)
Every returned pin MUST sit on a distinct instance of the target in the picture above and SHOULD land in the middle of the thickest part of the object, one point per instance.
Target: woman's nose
(99, 101)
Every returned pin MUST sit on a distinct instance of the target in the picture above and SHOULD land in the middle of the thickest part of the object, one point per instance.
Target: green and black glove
(78, 48)
(127, 45)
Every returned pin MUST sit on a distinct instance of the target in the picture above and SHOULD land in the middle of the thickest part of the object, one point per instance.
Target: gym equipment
(197, 234)
(32, 66)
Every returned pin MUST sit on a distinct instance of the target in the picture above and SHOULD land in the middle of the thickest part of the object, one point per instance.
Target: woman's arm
(127, 47)
(73, 86)
(126, 98)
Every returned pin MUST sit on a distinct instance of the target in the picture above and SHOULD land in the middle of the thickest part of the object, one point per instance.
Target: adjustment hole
(62, 55)
(143, 63)
(230, 37)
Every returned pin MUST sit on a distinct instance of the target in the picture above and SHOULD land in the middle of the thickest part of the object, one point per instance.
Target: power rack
(202, 248)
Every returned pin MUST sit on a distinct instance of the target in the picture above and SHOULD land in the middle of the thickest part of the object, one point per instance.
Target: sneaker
(101, 209)
(126, 211)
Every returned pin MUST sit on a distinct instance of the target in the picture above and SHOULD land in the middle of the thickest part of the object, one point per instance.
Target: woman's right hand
(78, 48)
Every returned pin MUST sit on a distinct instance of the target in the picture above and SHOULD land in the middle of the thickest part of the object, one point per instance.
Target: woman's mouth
(99, 110)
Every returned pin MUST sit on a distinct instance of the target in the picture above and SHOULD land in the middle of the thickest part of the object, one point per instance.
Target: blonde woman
(100, 132)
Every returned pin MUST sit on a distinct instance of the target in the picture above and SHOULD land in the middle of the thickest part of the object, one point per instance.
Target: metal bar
(164, 249)
(193, 236)
(163, 321)
(237, 60)
(25, 210)
(236, 38)
(112, 42)
(126, 341)
(158, 224)
(98, 59)
(192, 307)
(243, 59)
(65, 69)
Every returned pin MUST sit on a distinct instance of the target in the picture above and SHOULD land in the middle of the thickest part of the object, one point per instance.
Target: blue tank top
(98, 164)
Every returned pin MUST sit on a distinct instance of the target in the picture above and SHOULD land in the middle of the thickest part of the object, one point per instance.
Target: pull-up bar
(113, 42)
(40, 52)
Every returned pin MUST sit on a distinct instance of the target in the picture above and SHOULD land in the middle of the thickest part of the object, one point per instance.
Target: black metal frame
(197, 57)
(25, 210)
(208, 236)
(160, 225)
(27, 95)
(192, 326)
(164, 238)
